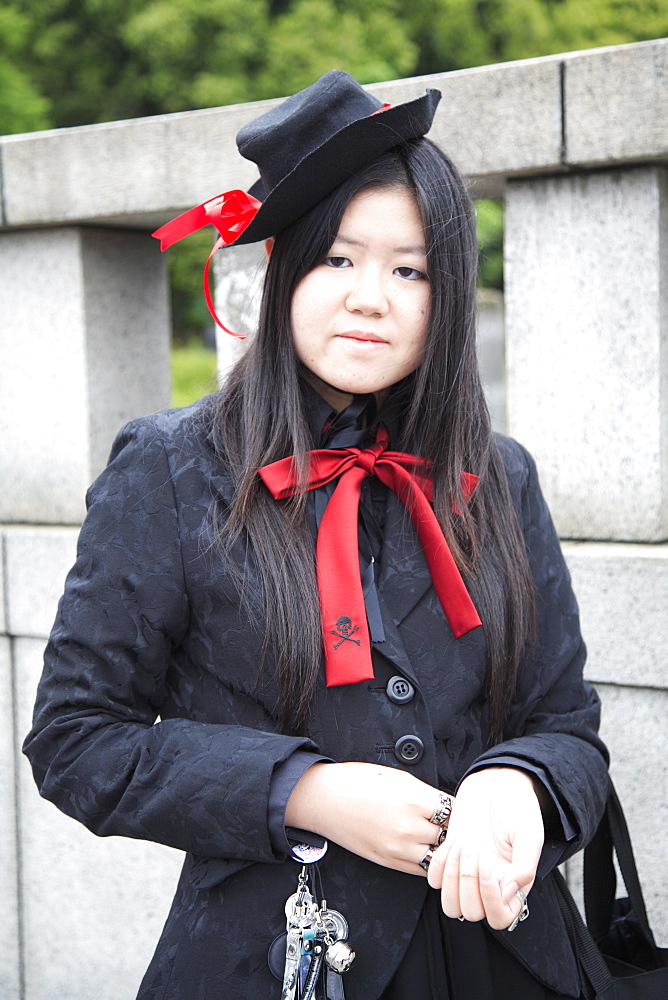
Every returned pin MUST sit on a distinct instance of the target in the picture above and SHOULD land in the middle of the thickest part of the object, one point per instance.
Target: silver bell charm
(339, 956)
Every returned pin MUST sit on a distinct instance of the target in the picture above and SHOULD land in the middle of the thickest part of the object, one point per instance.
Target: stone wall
(84, 336)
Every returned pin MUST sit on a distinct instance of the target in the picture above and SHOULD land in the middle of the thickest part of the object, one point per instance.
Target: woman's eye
(410, 272)
(337, 261)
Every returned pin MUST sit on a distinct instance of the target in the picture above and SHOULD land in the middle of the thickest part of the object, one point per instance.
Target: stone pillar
(587, 384)
(57, 860)
(93, 908)
(9, 871)
(491, 353)
(238, 275)
(587, 347)
(84, 338)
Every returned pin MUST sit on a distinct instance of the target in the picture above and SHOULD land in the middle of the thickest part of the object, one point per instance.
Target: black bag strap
(594, 973)
(600, 879)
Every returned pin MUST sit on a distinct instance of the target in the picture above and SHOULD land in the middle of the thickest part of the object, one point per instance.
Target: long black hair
(259, 418)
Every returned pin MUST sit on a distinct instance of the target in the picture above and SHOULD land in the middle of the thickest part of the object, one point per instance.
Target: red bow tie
(345, 630)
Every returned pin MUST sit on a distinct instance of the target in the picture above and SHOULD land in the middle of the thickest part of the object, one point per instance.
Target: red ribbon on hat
(345, 630)
(230, 213)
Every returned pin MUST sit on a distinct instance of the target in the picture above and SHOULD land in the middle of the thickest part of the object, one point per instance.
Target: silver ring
(441, 814)
(426, 859)
(442, 834)
(524, 911)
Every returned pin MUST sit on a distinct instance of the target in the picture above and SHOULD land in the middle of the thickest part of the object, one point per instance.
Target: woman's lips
(359, 337)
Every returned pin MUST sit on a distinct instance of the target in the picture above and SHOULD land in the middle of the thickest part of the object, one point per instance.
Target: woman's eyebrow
(418, 251)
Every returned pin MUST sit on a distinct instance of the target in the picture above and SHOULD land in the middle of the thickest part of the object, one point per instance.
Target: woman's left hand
(495, 837)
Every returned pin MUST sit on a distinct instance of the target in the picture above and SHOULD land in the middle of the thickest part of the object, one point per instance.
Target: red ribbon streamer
(230, 212)
(345, 630)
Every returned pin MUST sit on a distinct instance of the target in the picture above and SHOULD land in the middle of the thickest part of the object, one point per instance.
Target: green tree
(312, 36)
(70, 62)
(23, 107)
(198, 55)
(456, 34)
(78, 59)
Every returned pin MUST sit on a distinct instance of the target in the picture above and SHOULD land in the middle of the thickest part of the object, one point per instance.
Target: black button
(399, 690)
(409, 749)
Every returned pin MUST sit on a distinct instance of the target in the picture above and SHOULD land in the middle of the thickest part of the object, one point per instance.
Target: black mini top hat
(304, 148)
(313, 141)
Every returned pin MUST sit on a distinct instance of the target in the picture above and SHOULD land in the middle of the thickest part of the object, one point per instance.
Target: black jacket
(150, 626)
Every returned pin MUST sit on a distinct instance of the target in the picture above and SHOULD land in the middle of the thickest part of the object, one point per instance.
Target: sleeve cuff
(299, 844)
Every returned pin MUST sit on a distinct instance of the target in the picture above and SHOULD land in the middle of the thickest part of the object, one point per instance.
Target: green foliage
(79, 60)
(23, 107)
(579, 25)
(489, 223)
(313, 36)
(186, 260)
(71, 62)
(456, 34)
(193, 372)
(197, 55)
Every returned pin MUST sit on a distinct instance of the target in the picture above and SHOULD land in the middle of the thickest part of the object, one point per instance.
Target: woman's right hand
(380, 813)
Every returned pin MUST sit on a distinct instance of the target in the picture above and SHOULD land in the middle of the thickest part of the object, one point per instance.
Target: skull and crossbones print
(344, 631)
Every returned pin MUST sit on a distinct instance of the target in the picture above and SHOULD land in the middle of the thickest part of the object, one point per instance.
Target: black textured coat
(150, 626)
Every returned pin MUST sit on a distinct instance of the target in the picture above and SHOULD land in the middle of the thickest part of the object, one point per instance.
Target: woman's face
(359, 319)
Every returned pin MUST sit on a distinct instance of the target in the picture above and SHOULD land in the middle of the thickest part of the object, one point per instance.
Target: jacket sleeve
(96, 749)
(554, 718)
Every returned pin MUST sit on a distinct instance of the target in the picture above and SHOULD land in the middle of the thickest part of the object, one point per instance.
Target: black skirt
(453, 960)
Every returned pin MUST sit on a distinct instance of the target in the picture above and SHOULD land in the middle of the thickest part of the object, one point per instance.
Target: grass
(193, 372)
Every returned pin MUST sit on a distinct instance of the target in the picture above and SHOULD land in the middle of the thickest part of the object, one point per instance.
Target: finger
(450, 884)
(435, 873)
(499, 912)
(470, 899)
(521, 872)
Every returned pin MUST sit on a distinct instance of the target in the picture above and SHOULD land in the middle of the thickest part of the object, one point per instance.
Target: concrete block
(615, 104)
(134, 172)
(622, 591)
(3, 598)
(9, 896)
(84, 336)
(93, 908)
(586, 341)
(634, 728)
(37, 560)
(493, 120)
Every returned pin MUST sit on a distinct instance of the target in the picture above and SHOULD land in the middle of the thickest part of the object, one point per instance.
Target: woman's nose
(367, 295)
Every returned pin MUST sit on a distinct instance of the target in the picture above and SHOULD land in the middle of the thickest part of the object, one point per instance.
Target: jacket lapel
(393, 648)
(403, 580)
(404, 577)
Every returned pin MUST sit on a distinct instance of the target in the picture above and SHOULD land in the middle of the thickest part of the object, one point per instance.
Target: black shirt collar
(344, 429)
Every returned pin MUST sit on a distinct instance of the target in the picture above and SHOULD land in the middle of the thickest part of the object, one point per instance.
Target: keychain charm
(300, 911)
(316, 951)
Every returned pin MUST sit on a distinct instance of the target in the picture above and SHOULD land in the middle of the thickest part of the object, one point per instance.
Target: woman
(325, 699)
